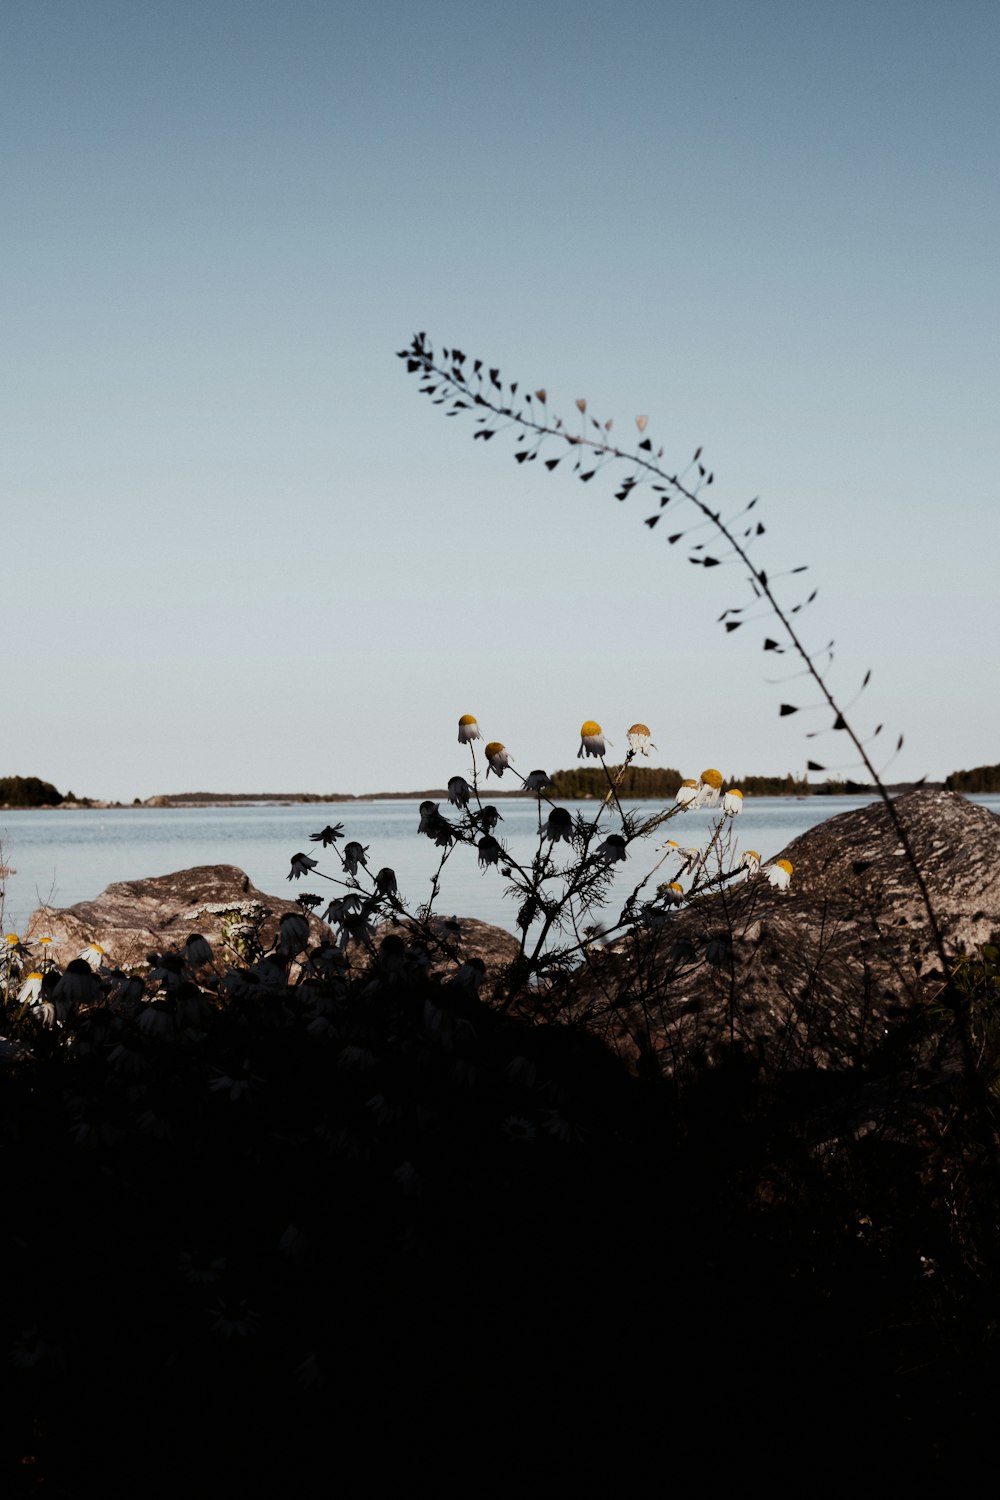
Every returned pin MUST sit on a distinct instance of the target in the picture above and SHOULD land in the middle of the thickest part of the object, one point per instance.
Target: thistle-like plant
(586, 449)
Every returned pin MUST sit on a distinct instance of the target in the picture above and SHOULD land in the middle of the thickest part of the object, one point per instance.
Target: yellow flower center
(493, 748)
(466, 720)
(34, 975)
(784, 864)
(690, 783)
(712, 778)
(640, 729)
(11, 938)
(674, 886)
(751, 854)
(590, 729)
(734, 791)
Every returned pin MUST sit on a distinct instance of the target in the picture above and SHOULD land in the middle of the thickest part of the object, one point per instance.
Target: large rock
(134, 917)
(819, 976)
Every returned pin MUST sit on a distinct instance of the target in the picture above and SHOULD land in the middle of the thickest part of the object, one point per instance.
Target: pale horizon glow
(243, 554)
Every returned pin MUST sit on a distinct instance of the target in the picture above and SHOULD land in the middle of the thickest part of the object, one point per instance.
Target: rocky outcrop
(820, 976)
(134, 917)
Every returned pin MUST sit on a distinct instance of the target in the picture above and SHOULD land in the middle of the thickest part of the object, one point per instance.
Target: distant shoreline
(435, 794)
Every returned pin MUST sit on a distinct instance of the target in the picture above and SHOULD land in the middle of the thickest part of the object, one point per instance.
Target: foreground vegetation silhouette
(339, 1200)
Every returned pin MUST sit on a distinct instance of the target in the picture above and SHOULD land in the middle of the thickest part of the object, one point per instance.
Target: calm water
(64, 857)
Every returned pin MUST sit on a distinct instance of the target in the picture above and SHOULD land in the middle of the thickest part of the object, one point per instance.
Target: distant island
(578, 783)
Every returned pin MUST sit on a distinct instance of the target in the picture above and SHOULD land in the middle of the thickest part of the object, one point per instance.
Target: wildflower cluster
(561, 886)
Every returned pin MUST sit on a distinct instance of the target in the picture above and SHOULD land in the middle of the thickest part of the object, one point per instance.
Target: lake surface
(64, 857)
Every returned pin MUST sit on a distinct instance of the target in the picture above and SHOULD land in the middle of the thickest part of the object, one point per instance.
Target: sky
(245, 554)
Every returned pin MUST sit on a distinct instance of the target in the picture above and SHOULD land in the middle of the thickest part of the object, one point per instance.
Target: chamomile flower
(592, 740)
(779, 874)
(385, 881)
(12, 943)
(687, 794)
(750, 861)
(499, 760)
(328, 835)
(93, 954)
(197, 951)
(732, 802)
(301, 865)
(468, 729)
(78, 985)
(293, 933)
(710, 785)
(487, 817)
(428, 812)
(489, 850)
(30, 989)
(613, 848)
(639, 739)
(559, 825)
(672, 894)
(536, 781)
(354, 855)
(459, 792)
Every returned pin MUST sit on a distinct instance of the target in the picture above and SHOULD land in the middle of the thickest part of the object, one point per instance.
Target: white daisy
(592, 740)
(639, 740)
(468, 729)
(498, 758)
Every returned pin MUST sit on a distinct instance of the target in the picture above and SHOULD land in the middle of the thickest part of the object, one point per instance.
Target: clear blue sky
(244, 554)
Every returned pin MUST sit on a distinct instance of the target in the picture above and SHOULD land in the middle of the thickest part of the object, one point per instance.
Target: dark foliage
(286, 1240)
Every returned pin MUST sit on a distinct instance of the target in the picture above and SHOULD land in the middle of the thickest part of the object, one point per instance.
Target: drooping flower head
(710, 785)
(496, 755)
(591, 740)
(487, 817)
(687, 794)
(459, 792)
(31, 988)
(293, 933)
(197, 951)
(93, 954)
(536, 781)
(613, 848)
(301, 865)
(559, 825)
(751, 861)
(428, 812)
(468, 729)
(489, 850)
(672, 894)
(732, 802)
(779, 874)
(354, 855)
(385, 881)
(639, 739)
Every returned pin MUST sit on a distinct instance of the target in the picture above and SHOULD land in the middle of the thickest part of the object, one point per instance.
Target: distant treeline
(979, 779)
(178, 799)
(29, 791)
(652, 782)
